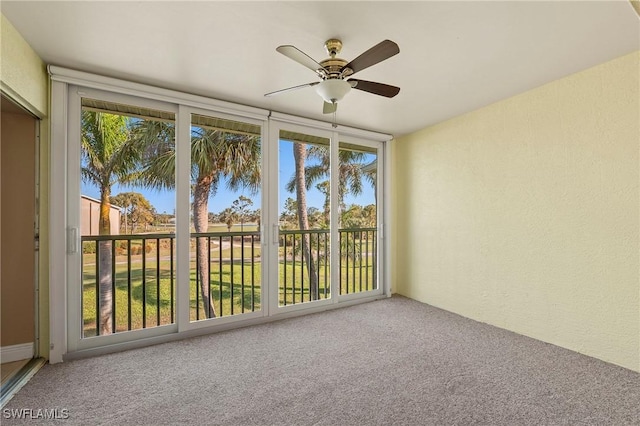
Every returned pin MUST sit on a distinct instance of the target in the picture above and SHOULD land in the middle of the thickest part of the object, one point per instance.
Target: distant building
(90, 216)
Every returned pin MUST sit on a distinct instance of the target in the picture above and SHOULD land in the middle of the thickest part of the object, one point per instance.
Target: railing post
(171, 241)
(113, 286)
(144, 283)
(220, 271)
(157, 281)
(97, 290)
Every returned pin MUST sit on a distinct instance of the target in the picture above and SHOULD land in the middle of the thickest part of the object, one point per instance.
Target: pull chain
(334, 124)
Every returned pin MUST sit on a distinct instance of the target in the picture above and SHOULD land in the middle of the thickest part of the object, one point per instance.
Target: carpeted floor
(390, 362)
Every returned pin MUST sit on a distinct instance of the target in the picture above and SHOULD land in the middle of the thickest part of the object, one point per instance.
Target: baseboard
(16, 352)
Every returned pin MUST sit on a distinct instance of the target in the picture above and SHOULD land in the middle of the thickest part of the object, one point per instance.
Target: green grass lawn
(144, 299)
(221, 227)
(149, 301)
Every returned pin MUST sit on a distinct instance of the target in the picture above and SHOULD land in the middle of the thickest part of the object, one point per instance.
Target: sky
(164, 201)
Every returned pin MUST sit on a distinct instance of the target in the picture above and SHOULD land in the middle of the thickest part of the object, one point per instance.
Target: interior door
(19, 239)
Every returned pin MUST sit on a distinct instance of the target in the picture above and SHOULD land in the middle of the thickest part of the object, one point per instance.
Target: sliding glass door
(121, 214)
(304, 219)
(225, 248)
(358, 217)
(181, 218)
(328, 217)
(137, 256)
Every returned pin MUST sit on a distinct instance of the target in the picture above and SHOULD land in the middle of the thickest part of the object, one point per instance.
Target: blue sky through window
(164, 201)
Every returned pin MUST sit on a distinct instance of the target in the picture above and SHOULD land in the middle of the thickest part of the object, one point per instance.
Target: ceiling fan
(335, 72)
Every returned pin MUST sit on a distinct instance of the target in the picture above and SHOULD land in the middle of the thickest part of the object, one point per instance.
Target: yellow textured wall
(23, 76)
(22, 71)
(525, 214)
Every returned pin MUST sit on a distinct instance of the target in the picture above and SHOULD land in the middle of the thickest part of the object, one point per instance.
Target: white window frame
(60, 216)
(184, 204)
(75, 341)
(380, 206)
(275, 127)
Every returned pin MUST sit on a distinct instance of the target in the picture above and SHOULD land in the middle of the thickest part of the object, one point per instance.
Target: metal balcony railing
(140, 286)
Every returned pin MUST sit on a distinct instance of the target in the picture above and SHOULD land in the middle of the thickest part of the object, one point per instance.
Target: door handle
(72, 240)
(275, 234)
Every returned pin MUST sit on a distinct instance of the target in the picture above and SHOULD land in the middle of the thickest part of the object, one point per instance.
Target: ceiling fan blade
(378, 53)
(277, 92)
(300, 57)
(329, 108)
(375, 88)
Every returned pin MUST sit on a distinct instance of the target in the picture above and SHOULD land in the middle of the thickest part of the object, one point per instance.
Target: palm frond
(89, 176)
(315, 173)
(154, 141)
(350, 170)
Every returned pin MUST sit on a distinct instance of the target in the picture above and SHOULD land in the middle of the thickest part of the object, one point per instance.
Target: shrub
(89, 247)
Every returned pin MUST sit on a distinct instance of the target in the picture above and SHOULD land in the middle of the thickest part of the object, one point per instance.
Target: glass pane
(127, 217)
(225, 257)
(358, 218)
(303, 266)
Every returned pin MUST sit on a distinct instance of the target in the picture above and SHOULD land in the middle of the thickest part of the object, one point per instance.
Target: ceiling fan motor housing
(335, 68)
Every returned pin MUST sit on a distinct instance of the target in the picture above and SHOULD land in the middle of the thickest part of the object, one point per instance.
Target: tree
(213, 217)
(216, 155)
(108, 157)
(325, 188)
(289, 214)
(137, 210)
(370, 215)
(315, 217)
(163, 219)
(241, 208)
(353, 217)
(350, 173)
(299, 155)
(229, 217)
(255, 216)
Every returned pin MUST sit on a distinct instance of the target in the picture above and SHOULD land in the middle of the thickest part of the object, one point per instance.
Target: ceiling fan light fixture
(333, 72)
(333, 90)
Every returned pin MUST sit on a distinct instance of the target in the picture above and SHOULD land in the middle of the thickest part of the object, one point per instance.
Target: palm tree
(350, 173)
(108, 157)
(215, 155)
(299, 155)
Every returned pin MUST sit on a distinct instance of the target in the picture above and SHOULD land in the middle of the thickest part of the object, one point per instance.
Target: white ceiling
(454, 56)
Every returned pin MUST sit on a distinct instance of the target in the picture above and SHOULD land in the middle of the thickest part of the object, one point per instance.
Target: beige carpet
(391, 362)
